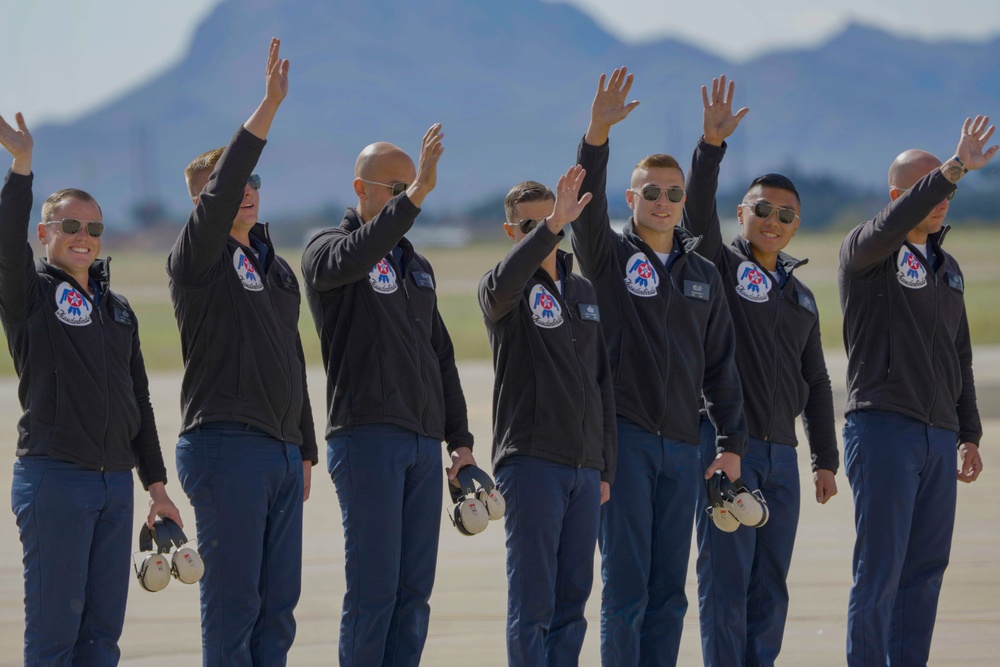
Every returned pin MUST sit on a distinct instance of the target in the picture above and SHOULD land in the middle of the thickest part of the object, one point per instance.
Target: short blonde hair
(656, 161)
(199, 166)
(57, 198)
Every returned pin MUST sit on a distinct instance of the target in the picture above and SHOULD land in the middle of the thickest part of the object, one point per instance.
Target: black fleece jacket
(553, 397)
(905, 327)
(82, 381)
(778, 349)
(238, 315)
(388, 356)
(669, 333)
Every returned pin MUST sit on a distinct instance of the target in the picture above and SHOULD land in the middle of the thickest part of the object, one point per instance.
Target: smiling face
(655, 220)
(767, 236)
(73, 253)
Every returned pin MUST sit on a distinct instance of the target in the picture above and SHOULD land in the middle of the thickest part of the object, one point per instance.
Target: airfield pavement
(469, 603)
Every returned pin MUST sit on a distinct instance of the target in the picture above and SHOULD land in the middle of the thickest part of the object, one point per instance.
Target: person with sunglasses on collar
(394, 395)
(670, 339)
(87, 420)
(742, 590)
(247, 443)
(554, 436)
(911, 401)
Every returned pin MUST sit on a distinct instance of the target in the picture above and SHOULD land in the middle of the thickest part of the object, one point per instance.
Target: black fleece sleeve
(146, 443)
(502, 289)
(593, 238)
(194, 259)
(18, 279)
(817, 418)
(870, 243)
(606, 381)
(310, 451)
(969, 424)
(334, 260)
(701, 212)
(721, 385)
(456, 414)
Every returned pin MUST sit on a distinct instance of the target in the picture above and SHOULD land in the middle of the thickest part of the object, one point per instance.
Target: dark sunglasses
(254, 182)
(949, 196)
(397, 188)
(786, 216)
(652, 193)
(525, 225)
(72, 226)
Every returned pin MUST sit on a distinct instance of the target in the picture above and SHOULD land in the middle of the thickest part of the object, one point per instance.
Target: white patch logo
(751, 283)
(72, 307)
(383, 277)
(246, 271)
(909, 271)
(640, 276)
(545, 310)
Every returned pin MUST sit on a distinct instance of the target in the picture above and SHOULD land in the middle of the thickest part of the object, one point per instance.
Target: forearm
(701, 213)
(503, 288)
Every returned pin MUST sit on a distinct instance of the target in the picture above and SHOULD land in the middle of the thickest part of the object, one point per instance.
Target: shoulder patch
(641, 278)
(545, 309)
(72, 307)
(751, 283)
(383, 277)
(246, 271)
(909, 270)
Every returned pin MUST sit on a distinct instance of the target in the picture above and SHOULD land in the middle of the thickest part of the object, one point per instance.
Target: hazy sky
(70, 56)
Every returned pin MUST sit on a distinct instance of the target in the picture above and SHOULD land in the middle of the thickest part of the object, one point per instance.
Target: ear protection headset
(732, 504)
(156, 569)
(475, 507)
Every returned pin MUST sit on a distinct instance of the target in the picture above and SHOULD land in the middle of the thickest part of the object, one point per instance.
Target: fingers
(272, 55)
(704, 96)
(742, 112)
(24, 128)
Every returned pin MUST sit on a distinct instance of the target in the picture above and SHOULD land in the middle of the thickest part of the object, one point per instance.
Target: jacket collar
(785, 261)
(683, 239)
(99, 272)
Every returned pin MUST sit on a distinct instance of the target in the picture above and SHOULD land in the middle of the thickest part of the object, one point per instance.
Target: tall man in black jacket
(742, 594)
(911, 400)
(247, 444)
(670, 339)
(87, 420)
(554, 436)
(394, 394)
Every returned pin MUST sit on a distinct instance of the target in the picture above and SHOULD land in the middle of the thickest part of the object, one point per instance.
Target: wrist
(157, 490)
(954, 169)
(597, 133)
(713, 140)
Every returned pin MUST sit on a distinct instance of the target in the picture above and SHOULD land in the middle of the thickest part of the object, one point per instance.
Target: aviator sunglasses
(397, 188)
(652, 193)
(71, 226)
(786, 216)
(254, 182)
(525, 225)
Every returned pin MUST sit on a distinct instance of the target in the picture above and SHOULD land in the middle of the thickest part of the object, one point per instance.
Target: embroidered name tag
(288, 281)
(590, 311)
(955, 282)
(807, 302)
(423, 279)
(697, 290)
(122, 316)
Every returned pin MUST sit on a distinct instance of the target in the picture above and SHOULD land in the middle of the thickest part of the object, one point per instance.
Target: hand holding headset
(183, 563)
(731, 504)
(475, 507)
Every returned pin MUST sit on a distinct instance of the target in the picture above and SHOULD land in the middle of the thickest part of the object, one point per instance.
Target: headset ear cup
(723, 519)
(494, 502)
(471, 517)
(748, 509)
(154, 573)
(187, 567)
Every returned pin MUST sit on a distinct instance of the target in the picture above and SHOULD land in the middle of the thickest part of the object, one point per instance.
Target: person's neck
(661, 242)
(917, 237)
(241, 235)
(769, 260)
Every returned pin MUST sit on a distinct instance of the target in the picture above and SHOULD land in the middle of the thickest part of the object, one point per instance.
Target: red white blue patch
(909, 270)
(383, 277)
(641, 278)
(545, 309)
(246, 271)
(751, 283)
(72, 307)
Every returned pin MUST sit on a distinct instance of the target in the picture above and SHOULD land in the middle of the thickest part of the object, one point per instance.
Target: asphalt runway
(469, 604)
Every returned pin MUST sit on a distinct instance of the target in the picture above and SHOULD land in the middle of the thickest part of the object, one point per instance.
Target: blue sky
(70, 56)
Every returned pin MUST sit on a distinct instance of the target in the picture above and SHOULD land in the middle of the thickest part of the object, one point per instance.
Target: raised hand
(18, 143)
(975, 134)
(430, 152)
(276, 74)
(567, 207)
(719, 121)
(609, 106)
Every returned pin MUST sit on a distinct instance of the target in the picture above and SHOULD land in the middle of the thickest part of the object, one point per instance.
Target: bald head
(910, 166)
(375, 157)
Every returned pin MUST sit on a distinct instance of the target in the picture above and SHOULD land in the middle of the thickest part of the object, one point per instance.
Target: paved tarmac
(469, 603)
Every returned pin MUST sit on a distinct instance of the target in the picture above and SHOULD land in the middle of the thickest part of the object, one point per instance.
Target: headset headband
(164, 532)
(467, 477)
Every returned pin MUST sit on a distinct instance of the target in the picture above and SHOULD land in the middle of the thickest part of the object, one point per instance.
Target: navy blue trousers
(645, 542)
(903, 477)
(76, 530)
(551, 523)
(246, 490)
(742, 589)
(389, 484)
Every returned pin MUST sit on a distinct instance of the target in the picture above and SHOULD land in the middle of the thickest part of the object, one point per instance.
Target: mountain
(512, 83)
